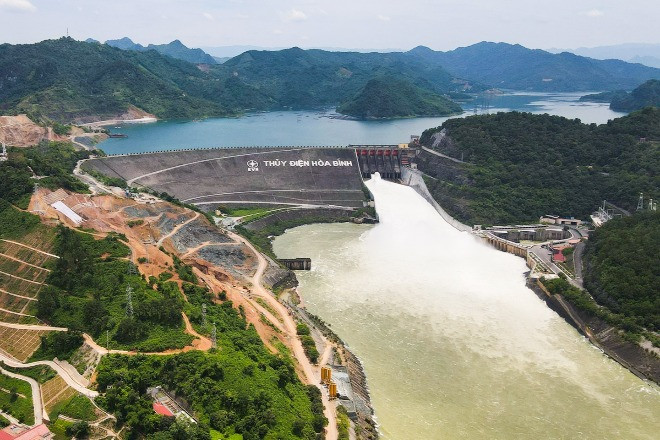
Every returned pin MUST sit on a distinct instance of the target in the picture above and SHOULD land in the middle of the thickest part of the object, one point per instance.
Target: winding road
(290, 327)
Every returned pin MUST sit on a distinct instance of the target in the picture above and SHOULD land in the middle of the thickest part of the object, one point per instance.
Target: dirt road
(290, 327)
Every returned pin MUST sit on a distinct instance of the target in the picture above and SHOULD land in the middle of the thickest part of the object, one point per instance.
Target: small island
(647, 94)
(389, 97)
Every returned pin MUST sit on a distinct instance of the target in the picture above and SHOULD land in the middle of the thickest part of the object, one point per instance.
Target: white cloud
(594, 13)
(208, 16)
(17, 6)
(383, 17)
(295, 15)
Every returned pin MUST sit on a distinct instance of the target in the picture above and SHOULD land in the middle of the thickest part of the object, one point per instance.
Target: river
(325, 127)
(453, 343)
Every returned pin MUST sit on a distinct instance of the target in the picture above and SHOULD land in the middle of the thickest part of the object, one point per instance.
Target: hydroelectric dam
(314, 177)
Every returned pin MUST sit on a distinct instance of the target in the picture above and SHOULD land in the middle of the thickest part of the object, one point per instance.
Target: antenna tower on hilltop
(640, 203)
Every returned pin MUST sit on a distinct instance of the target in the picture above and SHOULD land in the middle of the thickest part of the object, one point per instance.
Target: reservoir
(325, 127)
(453, 343)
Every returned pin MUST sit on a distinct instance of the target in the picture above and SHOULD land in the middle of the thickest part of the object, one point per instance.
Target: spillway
(453, 343)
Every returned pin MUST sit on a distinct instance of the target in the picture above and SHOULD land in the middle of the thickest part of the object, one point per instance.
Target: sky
(373, 24)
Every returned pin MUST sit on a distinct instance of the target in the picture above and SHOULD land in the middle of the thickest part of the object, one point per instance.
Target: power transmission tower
(214, 337)
(129, 301)
(640, 203)
(204, 314)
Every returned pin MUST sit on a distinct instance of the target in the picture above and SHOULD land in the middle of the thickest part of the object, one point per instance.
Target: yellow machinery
(326, 374)
(332, 390)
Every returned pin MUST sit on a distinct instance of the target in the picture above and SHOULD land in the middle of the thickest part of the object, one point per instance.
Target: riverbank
(108, 122)
(642, 362)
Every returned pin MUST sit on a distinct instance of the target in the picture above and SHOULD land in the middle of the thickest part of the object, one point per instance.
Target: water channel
(453, 343)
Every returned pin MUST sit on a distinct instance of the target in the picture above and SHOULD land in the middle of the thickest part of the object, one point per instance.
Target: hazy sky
(439, 24)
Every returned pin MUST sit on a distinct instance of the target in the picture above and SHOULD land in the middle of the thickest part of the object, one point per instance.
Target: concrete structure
(283, 176)
(556, 220)
(297, 263)
(383, 159)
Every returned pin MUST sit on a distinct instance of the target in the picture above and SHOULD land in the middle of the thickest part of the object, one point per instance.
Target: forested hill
(521, 166)
(67, 80)
(387, 97)
(511, 66)
(647, 94)
(623, 268)
(307, 78)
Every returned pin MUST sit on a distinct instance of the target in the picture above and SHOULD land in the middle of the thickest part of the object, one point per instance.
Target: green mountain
(300, 78)
(388, 97)
(175, 49)
(647, 94)
(519, 166)
(67, 80)
(622, 273)
(515, 67)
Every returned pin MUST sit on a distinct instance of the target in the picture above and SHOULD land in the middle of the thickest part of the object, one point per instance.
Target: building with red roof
(18, 432)
(161, 409)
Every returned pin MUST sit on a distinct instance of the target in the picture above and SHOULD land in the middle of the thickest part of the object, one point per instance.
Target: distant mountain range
(647, 54)
(646, 95)
(511, 66)
(67, 80)
(175, 49)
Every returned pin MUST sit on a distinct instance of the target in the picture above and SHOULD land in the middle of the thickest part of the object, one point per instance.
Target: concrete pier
(297, 263)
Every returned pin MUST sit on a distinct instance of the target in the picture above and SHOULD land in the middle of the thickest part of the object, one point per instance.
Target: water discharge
(453, 343)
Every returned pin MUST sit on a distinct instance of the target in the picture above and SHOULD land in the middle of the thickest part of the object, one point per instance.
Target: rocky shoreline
(365, 424)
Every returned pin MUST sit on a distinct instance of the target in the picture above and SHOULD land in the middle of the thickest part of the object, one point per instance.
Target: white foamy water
(453, 343)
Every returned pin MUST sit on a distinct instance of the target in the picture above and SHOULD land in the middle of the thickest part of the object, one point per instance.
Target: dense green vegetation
(16, 399)
(240, 388)
(59, 345)
(647, 94)
(622, 268)
(307, 342)
(52, 161)
(88, 292)
(175, 49)
(389, 97)
(521, 166)
(66, 80)
(512, 66)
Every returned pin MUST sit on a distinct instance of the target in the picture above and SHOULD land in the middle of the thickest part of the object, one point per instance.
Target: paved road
(37, 404)
(428, 150)
(69, 377)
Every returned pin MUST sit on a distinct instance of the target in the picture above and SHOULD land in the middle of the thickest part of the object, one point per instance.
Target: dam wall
(316, 177)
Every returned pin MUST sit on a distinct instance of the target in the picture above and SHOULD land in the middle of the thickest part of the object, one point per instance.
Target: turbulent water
(453, 343)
